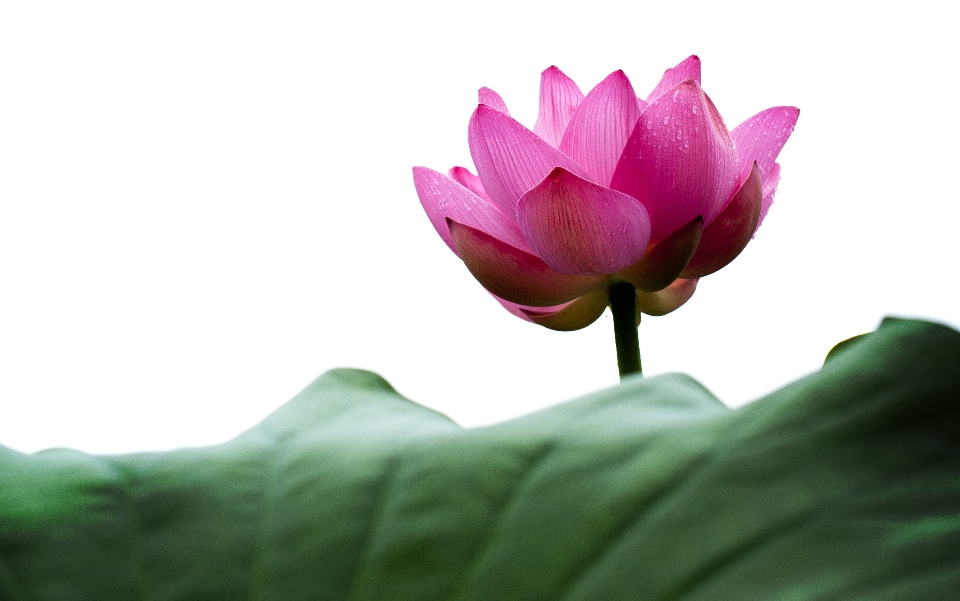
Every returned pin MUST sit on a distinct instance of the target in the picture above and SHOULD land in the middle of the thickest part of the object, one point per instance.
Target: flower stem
(626, 320)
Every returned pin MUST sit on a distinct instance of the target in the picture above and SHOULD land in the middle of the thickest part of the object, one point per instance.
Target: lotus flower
(606, 188)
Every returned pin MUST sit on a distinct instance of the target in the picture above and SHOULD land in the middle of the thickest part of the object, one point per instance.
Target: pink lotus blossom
(606, 188)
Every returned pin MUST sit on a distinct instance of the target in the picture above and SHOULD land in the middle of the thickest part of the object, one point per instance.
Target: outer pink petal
(680, 161)
(559, 98)
(667, 300)
(730, 232)
(769, 190)
(689, 68)
(664, 262)
(601, 127)
(510, 158)
(515, 275)
(761, 137)
(468, 180)
(443, 198)
(493, 100)
(578, 227)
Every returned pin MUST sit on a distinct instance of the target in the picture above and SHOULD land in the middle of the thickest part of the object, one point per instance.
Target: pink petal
(664, 263)
(510, 158)
(443, 198)
(578, 227)
(730, 232)
(493, 100)
(559, 98)
(680, 161)
(468, 180)
(769, 190)
(761, 137)
(515, 275)
(571, 316)
(667, 300)
(601, 127)
(689, 68)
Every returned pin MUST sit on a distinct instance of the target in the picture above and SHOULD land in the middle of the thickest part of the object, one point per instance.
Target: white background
(205, 205)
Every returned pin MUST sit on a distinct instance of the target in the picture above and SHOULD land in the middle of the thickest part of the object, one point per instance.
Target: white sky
(205, 205)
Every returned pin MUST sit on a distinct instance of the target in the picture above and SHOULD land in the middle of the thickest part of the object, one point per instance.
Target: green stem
(623, 305)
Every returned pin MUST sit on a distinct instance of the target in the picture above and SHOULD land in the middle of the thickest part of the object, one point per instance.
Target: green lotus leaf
(843, 485)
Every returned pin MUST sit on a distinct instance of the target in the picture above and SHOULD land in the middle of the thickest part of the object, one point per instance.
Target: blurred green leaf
(843, 485)
(844, 345)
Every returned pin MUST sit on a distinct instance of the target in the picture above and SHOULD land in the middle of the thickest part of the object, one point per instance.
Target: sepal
(667, 300)
(575, 316)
